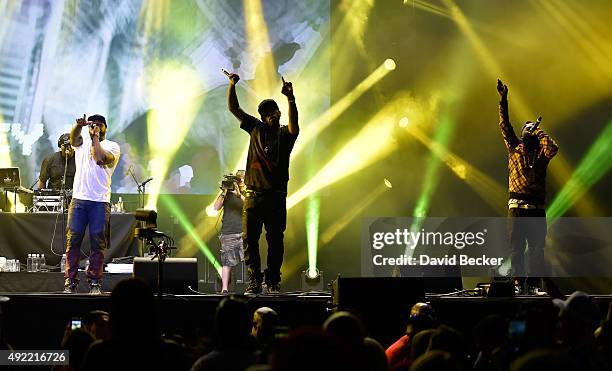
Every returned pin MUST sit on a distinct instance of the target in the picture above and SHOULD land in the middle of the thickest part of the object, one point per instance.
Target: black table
(31, 233)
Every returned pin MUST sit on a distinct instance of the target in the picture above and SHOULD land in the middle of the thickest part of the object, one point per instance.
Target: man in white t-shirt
(96, 159)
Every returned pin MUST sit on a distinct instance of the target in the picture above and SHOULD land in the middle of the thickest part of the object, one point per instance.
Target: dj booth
(31, 233)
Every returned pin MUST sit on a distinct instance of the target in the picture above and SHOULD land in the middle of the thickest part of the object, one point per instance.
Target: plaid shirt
(525, 182)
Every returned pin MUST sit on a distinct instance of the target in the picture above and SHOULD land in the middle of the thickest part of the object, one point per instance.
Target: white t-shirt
(92, 181)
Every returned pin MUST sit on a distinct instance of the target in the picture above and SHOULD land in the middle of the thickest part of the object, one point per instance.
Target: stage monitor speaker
(179, 274)
(373, 299)
(349, 292)
(501, 288)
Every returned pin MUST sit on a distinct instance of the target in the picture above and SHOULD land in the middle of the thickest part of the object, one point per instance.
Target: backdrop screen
(153, 69)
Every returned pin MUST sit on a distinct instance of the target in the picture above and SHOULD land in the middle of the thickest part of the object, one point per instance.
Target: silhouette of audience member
(603, 336)
(135, 343)
(350, 330)
(76, 342)
(422, 317)
(543, 360)
(265, 321)
(437, 361)
(578, 318)
(491, 340)
(541, 327)
(419, 345)
(449, 340)
(235, 348)
(311, 349)
(97, 323)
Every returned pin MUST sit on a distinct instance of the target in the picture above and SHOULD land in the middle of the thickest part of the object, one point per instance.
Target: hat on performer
(266, 107)
(98, 118)
(63, 139)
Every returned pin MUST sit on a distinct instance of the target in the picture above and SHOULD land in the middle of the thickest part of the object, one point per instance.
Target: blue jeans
(81, 214)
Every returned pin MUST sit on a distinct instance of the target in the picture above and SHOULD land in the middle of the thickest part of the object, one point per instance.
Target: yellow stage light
(259, 48)
(322, 122)
(389, 64)
(376, 136)
(175, 95)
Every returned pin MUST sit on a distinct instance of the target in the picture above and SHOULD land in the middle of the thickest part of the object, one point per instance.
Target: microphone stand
(63, 195)
(141, 187)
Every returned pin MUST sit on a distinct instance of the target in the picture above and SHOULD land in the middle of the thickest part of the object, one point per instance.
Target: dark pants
(527, 227)
(81, 214)
(269, 210)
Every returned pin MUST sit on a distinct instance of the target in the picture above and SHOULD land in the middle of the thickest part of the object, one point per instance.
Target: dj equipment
(49, 201)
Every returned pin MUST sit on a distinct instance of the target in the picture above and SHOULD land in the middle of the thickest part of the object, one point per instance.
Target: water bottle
(35, 263)
(120, 205)
(63, 264)
(43, 263)
(30, 263)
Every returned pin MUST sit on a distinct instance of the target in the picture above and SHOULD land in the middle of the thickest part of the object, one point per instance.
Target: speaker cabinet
(178, 274)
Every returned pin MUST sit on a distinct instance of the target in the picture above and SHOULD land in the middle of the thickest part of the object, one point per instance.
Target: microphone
(147, 181)
(535, 127)
(225, 72)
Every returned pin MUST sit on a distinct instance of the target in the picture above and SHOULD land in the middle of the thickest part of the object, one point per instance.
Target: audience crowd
(567, 335)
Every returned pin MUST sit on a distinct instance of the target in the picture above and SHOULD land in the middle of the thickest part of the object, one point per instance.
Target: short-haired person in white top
(96, 159)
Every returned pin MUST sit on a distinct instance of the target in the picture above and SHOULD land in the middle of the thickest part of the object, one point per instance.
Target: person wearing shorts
(232, 253)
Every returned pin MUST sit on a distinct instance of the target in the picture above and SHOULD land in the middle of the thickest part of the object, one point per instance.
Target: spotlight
(312, 273)
(390, 64)
(388, 183)
(403, 122)
(312, 280)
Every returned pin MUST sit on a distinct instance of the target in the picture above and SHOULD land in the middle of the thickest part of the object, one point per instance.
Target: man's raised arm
(75, 134)
(287, 90)
(232, 98)
(504, 118)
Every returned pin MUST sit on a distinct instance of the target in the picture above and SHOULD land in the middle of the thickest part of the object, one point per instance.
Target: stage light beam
(192, 233)
(297, 261)
(593, 166)
(313, 209)
(322, 122)
(376, 136)
(175, 94)
(259, 48)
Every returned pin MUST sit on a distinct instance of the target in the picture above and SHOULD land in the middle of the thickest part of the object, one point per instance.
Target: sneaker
(94, 289)
(254, 288)
(224, 292)
(273, 288)
(70, 288)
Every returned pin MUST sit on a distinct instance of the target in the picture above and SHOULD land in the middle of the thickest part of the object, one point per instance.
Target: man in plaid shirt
(528, 159)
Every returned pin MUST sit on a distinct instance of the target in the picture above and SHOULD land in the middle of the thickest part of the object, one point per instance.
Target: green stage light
(313, 209)
(593, 166)
(184, 222)
(432, 174)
